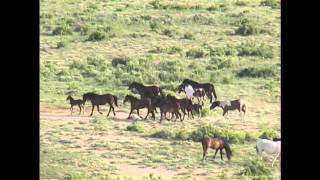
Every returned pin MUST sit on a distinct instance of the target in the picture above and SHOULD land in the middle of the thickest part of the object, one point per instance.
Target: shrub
(251, 49)
(255, 167)
(62, 30)
(271, 3)
(119, 60)
(241, 3)
(168, 32)
(195, 53)
(156, 4)
(248, 27)
(97, 36)
(269, 134)
(188, 35)
(164, 134)
(173, 50)
(61, 44)
(255, 72)
(136, 126)
(224, 51)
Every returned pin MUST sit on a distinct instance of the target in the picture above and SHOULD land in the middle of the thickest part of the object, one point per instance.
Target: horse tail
(228, 150)
(115, 100)
(214, 92)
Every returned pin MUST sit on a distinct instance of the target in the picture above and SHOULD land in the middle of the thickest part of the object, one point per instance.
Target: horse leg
(147, 114)
(130, 113)
(214, 157)
(192, 114)
(109, 110)
(221, 154)
(79, 108)
(99, 109)
(275, 159)
(92, 110)
(71, 109)
(113, 110)
(205, 151)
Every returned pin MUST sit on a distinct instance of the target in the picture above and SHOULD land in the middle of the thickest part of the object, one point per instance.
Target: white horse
(269, 147)
(190, 92)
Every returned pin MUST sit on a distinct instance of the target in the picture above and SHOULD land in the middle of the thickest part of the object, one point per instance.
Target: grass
(103, 46)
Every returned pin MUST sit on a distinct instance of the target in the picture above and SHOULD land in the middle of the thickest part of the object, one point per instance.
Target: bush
(168, 32)
(121, 61)
(251, 49)
(156, 4)
(164, 134)
(136, 126)
(248, 27)
(255, 167)
(269, 134)
(188, 35)
(195, 53)
(271, 3)
(255, 72)
(61, 44)
(174, 49)
(97, 36)
(224, 51)
(241, 3)
(62, 30)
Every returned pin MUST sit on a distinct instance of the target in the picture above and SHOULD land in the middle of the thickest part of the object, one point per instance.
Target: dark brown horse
(74, 102)
(185, 105)
(145, 91)
(137, 104)
(97, 99)
(199, 94)
(197, 108)
(208, 87)
(230, 106)
(217, 144)
(169, 106)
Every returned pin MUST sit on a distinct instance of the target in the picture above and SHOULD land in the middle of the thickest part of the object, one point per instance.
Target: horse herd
(152, 97)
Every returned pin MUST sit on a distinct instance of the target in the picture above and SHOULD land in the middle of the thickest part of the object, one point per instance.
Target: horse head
(68, 98)
(181, 88)
(215, 104)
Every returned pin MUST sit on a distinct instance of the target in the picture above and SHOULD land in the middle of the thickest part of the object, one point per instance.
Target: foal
(137, 104)
(230, 106)
(217, 144)
(74, 102)
(185, 105)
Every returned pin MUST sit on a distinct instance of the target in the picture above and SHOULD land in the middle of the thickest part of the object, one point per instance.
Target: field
(102, 46)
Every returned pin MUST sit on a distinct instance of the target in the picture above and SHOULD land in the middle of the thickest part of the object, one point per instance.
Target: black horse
(208, 87)
(185, 105)
(74, 102)
(146, 91)
(97, 99)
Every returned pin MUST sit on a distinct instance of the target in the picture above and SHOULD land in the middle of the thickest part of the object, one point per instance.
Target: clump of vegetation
(269, 134)
(224, 51)
(252, 49)
(169, 32)
(248, 27)
(119, 61)
(188, 35)
(62, 30)
(61, 44)
(136, 126)
(195, 53)
(97, 36)
(255, 167)
(258, 72)
(241, 3)
(271, 3)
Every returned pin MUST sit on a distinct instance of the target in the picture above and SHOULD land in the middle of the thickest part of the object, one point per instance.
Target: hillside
(103, 46)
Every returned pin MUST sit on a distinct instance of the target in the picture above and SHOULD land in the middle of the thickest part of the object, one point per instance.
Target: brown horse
(197, 108)
(230, 105)
(217, 144)
(208, 88)
(137, 104)
(74, 102)
(170, 107)
(97, 100)
(185, 105)
(199, 94)
(145, 91)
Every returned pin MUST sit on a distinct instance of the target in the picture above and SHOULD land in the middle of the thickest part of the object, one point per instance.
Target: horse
(191, 92)
(137, 104)
(269, 147)
(230, 105)
(97, 100)
(145, 91)
(185, 105)
(217, 144)
(208, 88)
(171, 107)
(74, 102)
(197, 108)
(199, 94)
